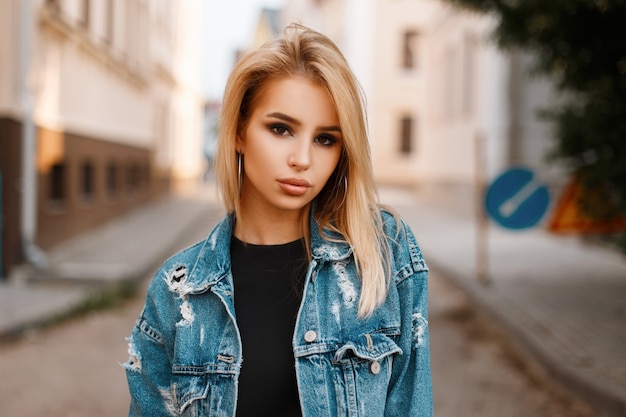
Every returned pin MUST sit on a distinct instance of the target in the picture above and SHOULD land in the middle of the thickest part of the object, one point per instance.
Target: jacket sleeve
(148, 369)
(410, 389)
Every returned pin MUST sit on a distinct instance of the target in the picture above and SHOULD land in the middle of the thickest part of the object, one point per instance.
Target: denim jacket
(185, 349)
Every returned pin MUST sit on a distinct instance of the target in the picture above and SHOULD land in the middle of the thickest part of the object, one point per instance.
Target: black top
(268, 290)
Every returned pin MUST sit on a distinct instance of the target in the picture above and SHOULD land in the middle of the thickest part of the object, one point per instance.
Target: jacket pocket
(361, 374)
(188, 392)
(198, 391)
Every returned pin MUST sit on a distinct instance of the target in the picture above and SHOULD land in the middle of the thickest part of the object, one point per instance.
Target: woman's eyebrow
(284, 117)
(289, 119)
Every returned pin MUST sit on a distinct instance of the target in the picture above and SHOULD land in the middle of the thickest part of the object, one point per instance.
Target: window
(108, 28)
(85, 15)
(145, 176)
(406, 135)
(132, 177)
(57, 183)
(409, 50)
(135, 33)
(87, 180)
(112, 184)
(53, 5)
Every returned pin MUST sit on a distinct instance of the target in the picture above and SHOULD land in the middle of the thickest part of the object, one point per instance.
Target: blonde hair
(348, 202)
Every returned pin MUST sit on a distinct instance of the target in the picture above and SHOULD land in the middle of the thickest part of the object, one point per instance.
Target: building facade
(445, 106)
(101, 110)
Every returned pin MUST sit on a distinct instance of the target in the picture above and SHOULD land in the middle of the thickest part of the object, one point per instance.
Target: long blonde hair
(348, 202)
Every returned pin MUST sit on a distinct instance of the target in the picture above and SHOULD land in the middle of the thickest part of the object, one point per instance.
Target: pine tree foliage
(581, 45)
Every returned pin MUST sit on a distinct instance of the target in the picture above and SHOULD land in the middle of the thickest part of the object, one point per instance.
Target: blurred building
(445, 106)
(101, 109)
(268, 26)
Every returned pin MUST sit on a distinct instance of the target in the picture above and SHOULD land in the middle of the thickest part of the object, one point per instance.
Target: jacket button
(310, 336)
(375, 368)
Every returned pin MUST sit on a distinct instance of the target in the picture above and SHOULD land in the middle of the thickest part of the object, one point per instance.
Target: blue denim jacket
(185, 349)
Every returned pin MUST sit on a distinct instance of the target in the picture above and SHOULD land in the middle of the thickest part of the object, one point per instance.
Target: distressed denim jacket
(185, 349)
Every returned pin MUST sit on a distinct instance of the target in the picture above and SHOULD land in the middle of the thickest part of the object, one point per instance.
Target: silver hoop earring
(239, 173)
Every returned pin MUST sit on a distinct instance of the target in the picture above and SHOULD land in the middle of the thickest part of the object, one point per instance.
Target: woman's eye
(280, 130)
(326, 140)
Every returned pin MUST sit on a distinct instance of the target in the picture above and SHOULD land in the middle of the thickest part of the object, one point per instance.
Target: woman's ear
(239, 144)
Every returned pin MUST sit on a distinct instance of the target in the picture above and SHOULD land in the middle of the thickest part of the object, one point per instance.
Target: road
(477, 372)
(73, 370)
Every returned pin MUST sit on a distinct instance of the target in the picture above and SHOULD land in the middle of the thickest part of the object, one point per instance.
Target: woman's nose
(300, 156)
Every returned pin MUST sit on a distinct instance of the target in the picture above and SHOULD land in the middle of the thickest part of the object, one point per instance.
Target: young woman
(308, 298)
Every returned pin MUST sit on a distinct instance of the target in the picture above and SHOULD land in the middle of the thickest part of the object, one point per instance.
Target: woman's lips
(294, 186)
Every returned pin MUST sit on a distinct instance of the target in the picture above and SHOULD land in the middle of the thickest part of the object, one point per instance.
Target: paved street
(476, 370)
(72, 370)
(69, 371)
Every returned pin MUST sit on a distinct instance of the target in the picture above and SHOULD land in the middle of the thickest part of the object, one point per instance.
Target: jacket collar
(327, 245)
(212, 263)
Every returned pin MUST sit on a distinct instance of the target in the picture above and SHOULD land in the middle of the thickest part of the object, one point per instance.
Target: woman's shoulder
(394, 226)
(404, 247)
(181, 264)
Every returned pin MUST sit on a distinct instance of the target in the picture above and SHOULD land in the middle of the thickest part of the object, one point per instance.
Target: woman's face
(291, 146)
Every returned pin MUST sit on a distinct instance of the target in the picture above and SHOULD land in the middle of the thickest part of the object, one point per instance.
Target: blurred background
(108, 115)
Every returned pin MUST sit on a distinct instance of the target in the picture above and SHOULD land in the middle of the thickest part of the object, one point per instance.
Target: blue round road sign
(517, 199)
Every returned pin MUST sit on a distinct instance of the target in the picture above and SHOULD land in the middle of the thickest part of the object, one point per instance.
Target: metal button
(375, 368)
(310, 336)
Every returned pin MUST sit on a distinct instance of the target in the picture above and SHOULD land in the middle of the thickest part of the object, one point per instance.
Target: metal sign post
(482, 226)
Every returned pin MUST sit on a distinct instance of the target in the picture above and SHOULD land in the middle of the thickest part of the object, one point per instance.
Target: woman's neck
(262, 228)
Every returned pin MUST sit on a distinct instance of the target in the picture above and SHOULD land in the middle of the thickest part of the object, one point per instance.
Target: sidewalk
(562, 301)
(124, 250)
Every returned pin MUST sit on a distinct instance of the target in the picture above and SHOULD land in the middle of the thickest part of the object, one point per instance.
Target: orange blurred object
(570, 217)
